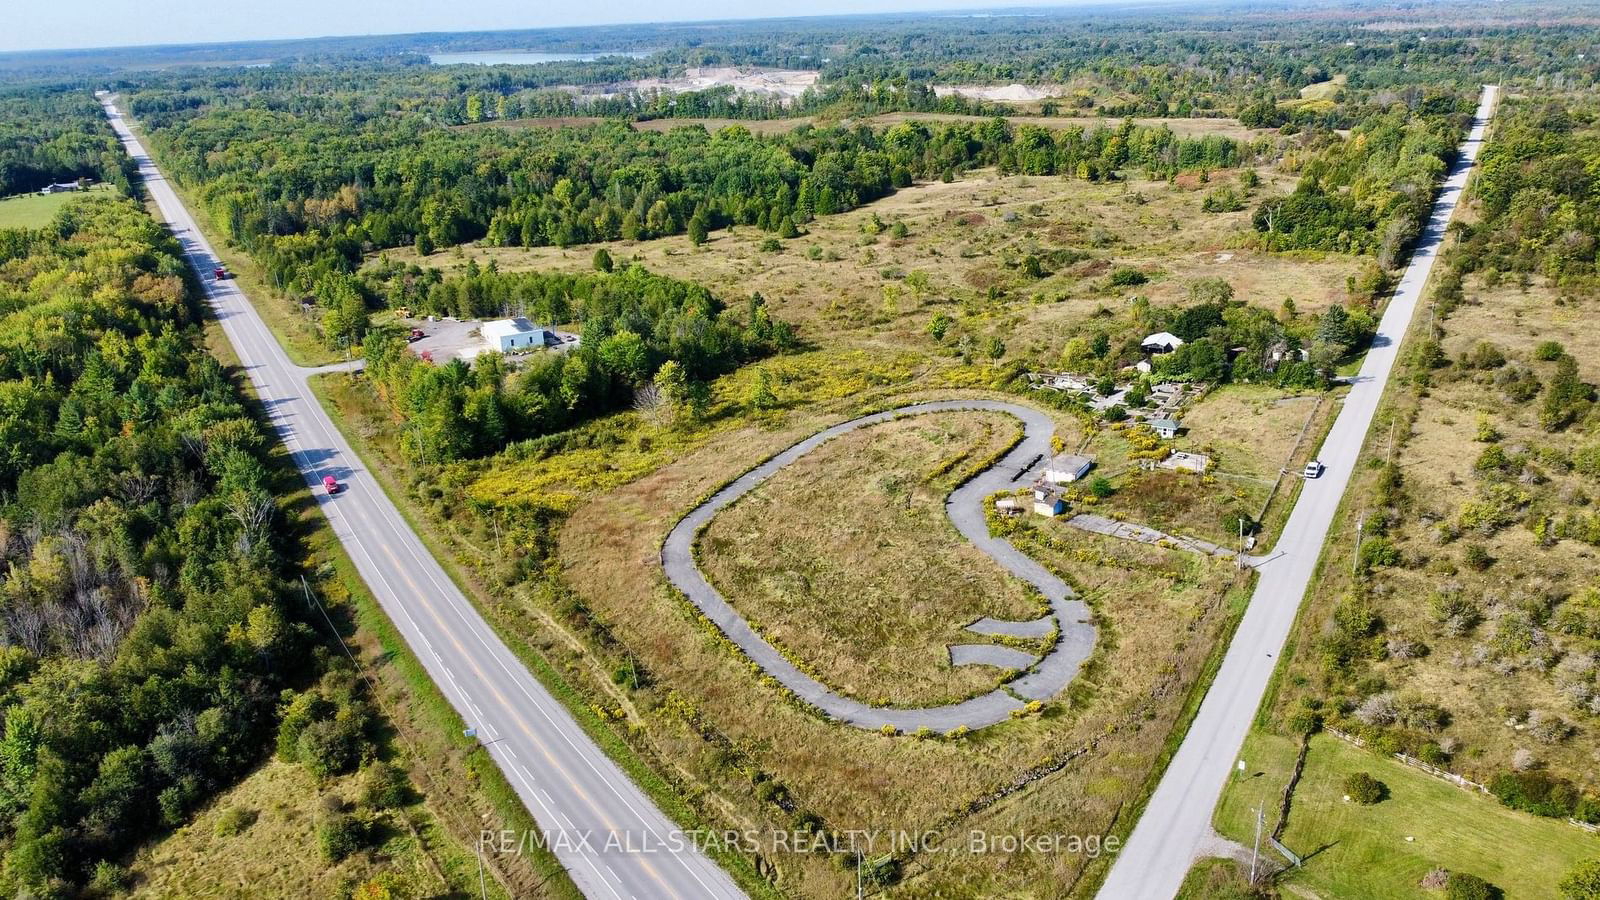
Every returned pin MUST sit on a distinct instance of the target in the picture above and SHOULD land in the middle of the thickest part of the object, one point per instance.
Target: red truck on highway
(220, 273)
(330, 484)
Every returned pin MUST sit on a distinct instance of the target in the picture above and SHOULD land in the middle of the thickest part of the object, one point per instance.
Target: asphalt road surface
(1043, 680)
(612, 840)
(1177, 822)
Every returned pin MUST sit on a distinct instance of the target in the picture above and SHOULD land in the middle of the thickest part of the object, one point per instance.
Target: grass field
(1218, 879)
(33, 210)
(1385, 849)
(847, 560)
(276, 855)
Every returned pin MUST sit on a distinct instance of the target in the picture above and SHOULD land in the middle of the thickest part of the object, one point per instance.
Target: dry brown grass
(847, 561)
(855, 292)
(1437, 455)
(277, 856)
(710, 723)
(854, 779)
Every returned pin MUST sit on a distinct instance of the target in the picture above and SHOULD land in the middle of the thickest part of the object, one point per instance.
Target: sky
(67, 24)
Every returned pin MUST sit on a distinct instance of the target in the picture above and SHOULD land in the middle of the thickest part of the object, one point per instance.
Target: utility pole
(483, 888)
(1255, 852)
(1355, 556)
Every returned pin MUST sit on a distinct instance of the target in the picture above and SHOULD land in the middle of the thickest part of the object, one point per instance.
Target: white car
(1313, 469)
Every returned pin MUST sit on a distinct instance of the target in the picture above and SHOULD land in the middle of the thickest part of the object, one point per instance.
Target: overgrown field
(846, 560)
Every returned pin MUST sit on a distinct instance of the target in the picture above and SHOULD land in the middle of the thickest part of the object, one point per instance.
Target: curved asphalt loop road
(966, 510)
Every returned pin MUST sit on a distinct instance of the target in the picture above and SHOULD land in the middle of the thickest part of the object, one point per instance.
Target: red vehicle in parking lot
(330, 484)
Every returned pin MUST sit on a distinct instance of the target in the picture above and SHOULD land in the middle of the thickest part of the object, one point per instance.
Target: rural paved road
(966, 511)
(1177, 821)
(610, 837)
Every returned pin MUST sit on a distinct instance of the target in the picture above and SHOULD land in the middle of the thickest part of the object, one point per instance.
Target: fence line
(1459, 781)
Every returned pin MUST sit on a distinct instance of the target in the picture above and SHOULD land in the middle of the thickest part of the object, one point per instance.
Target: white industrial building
(513, 335)
(1067, 468)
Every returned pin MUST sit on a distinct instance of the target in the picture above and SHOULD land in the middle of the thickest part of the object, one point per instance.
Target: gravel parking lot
(447, 339)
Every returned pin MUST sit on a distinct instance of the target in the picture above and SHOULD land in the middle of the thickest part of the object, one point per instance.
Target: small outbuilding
(1161, 342)
(513, 335)
(1008, 506)
(1165, 428)
(1047, 499)
(1067, 468)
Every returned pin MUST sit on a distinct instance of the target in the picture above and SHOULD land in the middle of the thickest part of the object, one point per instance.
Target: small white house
(512, 335)
(1166, 428)
(61, 188)
(1067, 468)
(1161, 342)
(1047, 500)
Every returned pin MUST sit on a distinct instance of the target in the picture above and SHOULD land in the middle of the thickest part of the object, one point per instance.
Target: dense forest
(148, 625)
(50, 136)
(1369, 193)
(309, 188)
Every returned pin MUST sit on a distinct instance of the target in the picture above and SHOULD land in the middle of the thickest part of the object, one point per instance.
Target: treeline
(145, 617)
(646, 340)
(1371, 192)
(309, 196)
(1536, 187)
(49, 136)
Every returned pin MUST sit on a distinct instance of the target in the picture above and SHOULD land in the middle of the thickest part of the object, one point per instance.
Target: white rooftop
(502, 327)
(1163, 339)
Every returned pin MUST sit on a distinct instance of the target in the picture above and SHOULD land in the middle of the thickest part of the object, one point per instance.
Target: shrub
(1101, 487)
(1461, 886)
(1127, 277)
(1536, 792)
(1477, 558)
(234, 820)
(1582, 882)
(340, 834)
(1364, 789)
(1549, 351)
(109, 879)
(771, 245)
(385, 786)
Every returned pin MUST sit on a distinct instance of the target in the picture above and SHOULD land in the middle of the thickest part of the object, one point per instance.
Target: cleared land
(606, 618)
(1183, 127)
(847, 560)
(36, 210)
(849, 281)
(1385, 849)
(281, 803)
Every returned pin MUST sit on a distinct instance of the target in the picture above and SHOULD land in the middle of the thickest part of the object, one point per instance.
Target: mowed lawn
(35, 210)
(1384, 850)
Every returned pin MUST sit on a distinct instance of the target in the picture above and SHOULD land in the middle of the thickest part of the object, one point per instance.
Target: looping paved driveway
(965, 507)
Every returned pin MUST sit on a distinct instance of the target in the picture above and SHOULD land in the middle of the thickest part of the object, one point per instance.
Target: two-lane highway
(611, 838)
(1177, 822)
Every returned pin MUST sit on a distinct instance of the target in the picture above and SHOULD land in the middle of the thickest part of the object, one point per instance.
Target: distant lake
(520, 57)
